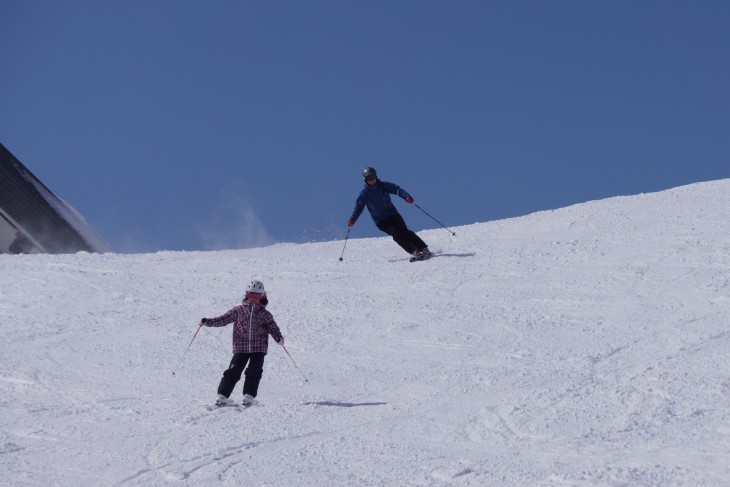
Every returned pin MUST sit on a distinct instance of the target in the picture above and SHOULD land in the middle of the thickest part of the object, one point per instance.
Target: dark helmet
(369, 171)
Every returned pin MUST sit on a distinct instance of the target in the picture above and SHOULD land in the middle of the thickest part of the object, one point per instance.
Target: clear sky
(181, 125)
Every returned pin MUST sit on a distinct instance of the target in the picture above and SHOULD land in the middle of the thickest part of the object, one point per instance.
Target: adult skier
(376, 196)
(252, 325)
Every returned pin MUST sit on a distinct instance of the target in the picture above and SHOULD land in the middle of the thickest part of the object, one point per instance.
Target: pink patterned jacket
(252, 325)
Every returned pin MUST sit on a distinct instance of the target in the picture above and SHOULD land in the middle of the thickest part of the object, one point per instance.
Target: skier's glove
(350, 222)
(281, 341)
(409, 200)
(203, 321)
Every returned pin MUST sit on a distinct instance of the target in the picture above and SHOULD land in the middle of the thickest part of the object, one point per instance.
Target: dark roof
(31, 207)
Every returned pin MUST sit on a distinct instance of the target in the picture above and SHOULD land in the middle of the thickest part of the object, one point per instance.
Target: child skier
(376, 195)
(252, 325)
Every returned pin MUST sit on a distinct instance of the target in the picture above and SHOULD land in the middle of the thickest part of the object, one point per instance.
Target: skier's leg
(416, 240)
(396, 228)
(408, 235)
(232, 374)
(253, 374)
(413, 240)
(407, 239)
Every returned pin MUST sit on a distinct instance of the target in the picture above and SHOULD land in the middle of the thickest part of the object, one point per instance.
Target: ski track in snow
(580, 346)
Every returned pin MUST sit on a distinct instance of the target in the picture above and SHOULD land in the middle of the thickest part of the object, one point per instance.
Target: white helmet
(255, 287)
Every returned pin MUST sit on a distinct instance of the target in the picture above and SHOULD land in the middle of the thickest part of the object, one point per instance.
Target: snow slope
(582, 346)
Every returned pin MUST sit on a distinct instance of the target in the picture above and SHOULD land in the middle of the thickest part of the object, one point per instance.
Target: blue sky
(180, 125)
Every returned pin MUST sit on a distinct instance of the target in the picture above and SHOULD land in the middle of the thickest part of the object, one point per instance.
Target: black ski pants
(232, 374)
(407, 239)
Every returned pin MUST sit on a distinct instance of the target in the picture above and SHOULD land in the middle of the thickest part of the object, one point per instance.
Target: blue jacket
(377, 199)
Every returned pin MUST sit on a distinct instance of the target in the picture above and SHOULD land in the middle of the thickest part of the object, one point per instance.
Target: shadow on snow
(344, 404)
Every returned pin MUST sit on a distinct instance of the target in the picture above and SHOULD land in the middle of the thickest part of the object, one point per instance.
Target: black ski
(418, 257)
(234, 405)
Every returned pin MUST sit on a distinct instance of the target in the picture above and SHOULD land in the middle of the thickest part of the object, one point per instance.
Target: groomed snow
(583, 346)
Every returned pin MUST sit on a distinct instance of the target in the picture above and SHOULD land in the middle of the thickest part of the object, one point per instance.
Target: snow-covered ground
(583, 346)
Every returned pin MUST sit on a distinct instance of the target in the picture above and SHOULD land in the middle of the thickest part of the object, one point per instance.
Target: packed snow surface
(582, 346)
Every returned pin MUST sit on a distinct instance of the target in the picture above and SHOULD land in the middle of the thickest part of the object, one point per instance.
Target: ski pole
(343, 247)
(295, 364)
(186, 350)
(427, 213)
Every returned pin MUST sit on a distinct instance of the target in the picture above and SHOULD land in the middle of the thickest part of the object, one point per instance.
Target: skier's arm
(274, 331)
(222, 320)
(359, 207)
(393, 188)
